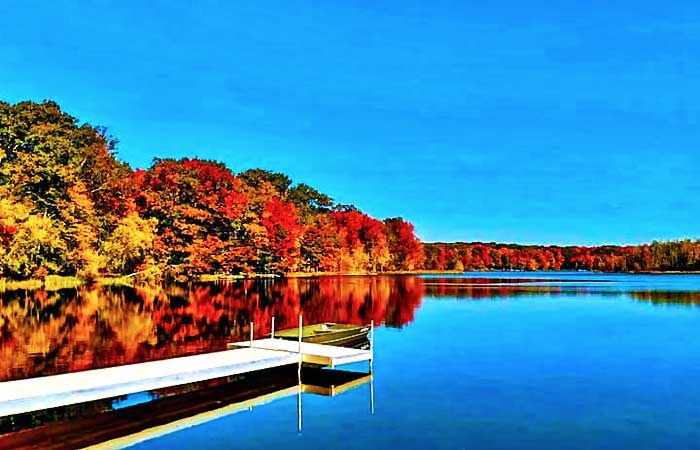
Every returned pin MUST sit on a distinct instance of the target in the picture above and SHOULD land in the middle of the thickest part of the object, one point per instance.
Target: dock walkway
(33, 394)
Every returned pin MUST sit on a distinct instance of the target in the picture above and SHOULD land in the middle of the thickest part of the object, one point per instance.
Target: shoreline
(58, 282)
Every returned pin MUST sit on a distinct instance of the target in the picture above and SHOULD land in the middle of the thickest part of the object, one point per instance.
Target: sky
(564, 122)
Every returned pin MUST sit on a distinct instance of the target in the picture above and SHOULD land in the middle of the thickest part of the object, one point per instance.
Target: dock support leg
(371, 345)
(272, 335)
(371, 396)
(301, 321)
(299, 423)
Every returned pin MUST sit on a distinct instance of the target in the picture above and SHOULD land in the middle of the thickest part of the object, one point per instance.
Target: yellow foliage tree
(133, 245)
(35, 245)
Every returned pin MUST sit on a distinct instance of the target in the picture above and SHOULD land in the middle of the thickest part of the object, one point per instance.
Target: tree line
(68, 206)
(681, 255)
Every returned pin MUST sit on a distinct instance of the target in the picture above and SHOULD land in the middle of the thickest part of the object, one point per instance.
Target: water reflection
(485, 288)
(668, 297)
(127, 420)
(45, 333)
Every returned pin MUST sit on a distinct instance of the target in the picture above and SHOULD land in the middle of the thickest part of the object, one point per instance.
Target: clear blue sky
(520, 121)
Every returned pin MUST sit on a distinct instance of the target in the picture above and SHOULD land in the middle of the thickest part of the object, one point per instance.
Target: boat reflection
(122, 422)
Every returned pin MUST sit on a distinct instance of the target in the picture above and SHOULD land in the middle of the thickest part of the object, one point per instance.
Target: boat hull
(335, 334)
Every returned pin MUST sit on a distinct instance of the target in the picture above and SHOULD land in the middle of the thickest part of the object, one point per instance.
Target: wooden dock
(33, 394)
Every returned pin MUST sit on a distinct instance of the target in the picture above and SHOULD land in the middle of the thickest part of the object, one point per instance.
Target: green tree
(256, 177)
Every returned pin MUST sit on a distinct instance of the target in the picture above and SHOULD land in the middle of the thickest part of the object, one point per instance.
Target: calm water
(497, 360)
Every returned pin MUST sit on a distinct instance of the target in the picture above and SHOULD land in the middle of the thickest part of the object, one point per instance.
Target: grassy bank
(50, 283)
(56, 282)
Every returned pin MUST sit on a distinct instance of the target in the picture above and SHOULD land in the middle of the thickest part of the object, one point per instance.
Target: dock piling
(299, 417)
(272, 335)
(301, 321)
(371, 396)
(299, 391)
(371, 345)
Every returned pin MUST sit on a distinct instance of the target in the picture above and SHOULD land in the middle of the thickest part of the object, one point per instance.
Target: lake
(476, 360)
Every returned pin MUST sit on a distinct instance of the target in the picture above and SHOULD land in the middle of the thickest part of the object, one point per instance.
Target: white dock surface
(326, 355)
(77, 387)
(66, 389)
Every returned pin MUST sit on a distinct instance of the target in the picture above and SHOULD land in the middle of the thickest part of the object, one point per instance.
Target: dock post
(371, 345)
(301, 320)
(371, 395)
(299, 391)
(251, 334)
(272, 335)
(299, 424)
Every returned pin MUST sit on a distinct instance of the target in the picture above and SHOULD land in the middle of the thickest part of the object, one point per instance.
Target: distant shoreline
(662, 272)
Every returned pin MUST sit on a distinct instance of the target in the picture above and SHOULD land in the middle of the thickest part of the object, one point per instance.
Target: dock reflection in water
(125, 421)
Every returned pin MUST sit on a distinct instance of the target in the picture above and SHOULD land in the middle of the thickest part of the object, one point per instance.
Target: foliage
(130, 246)
(32, 243)
(659, 256)
(405, 249)
(69, 207)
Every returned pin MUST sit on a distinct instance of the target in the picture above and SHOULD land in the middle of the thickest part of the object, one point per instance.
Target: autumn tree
(405, 249)
(255, 178)
(32, 244)
(320, 246)
(65, 173)
(133, 245)
(193, 201)
(284, 233)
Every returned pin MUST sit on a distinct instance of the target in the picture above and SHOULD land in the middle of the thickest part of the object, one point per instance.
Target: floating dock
(33, 394)
(321, 354)
(137, 423)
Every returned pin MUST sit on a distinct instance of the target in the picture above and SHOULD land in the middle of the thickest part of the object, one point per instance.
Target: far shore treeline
(678, 256)
(69, 207)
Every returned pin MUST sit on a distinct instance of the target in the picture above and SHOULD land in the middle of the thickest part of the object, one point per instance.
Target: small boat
(328, 333)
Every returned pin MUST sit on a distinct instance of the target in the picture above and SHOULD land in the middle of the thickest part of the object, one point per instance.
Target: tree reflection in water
(45, 333)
